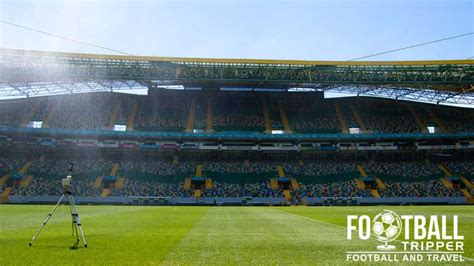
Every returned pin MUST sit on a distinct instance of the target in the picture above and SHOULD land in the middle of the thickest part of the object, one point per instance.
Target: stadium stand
(238, 112)
(166, 112)
(169, 111)
(461, 167)
(263, 170)
(386, 116)
(237, 178)
(85, 111)
(403, 171)
(308, 115)
(431, 188)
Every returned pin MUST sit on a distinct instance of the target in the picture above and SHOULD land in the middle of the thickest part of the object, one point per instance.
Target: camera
(66, 184)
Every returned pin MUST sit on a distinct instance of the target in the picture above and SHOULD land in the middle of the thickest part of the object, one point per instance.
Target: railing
(233, 135)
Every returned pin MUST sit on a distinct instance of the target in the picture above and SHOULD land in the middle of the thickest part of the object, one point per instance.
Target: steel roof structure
(36, 73)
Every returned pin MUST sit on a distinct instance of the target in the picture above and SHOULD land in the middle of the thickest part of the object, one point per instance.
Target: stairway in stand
(209, 123)
(23, 183)
(4, 196)
(118, 182)
(132, 115)
(187, 183)
(105, 192)
(191, 117)
(115, 110)
(358, 118)
(375, 193)
(266, 116)
(284, 118)
(287, 194)
(421, 125)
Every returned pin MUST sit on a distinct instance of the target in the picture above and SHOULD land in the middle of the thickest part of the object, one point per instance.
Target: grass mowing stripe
(198, 235)
(338, 214)
(26, 217)
(318, 221)
(193, 244)
(117, 237)
(257, 236)
(173, 252)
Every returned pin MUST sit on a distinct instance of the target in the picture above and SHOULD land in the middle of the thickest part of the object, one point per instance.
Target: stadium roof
(26, 73)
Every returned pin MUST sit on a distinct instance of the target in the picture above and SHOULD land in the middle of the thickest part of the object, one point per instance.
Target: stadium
(219, 132)
(224, 161)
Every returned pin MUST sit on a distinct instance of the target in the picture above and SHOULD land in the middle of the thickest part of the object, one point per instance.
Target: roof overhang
(34, 73)
(236, 61)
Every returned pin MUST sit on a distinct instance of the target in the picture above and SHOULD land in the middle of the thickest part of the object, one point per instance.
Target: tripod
(76, 223)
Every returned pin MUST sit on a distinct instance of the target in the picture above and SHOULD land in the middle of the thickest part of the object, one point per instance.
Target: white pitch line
(318, 221)
(311, 219)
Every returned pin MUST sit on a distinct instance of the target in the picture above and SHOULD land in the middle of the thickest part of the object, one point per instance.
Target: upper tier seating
(234, 111)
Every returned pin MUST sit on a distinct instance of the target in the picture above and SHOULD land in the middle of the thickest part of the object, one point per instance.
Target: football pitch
(198, 235)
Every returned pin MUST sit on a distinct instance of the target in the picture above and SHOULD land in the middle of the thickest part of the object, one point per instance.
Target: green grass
(196, 235)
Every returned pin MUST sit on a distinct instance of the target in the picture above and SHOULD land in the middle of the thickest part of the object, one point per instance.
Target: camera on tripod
(76, 222)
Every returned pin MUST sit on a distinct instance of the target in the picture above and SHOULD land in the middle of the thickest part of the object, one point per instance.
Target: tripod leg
(82, 235)
(74, 219)
(76, 234)
(70, 209)
(46, 220)
(77, 221)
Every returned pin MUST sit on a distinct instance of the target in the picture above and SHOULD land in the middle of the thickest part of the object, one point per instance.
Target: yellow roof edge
(236, 60)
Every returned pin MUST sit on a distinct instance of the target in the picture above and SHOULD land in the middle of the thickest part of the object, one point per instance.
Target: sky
(307, 30)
